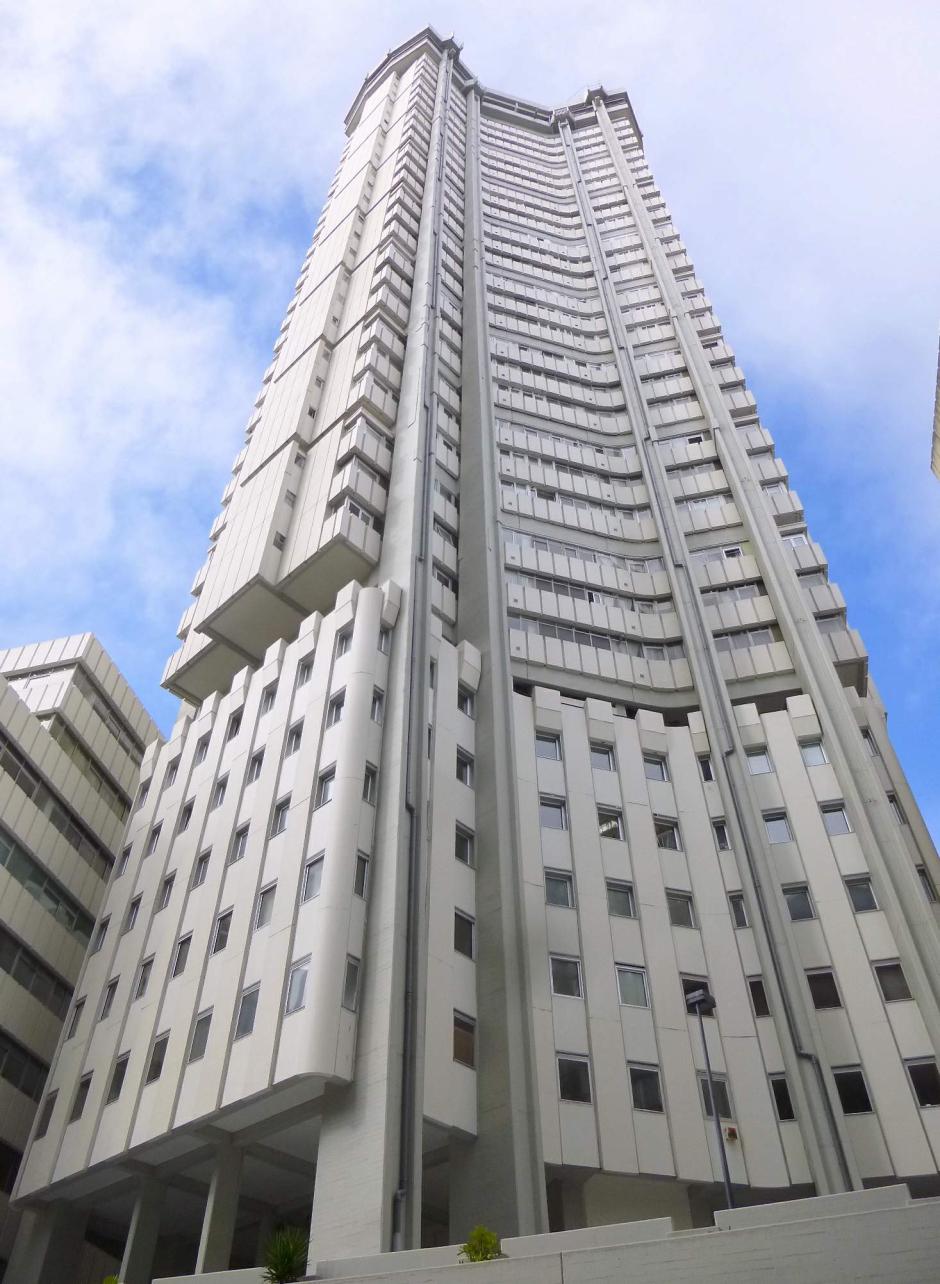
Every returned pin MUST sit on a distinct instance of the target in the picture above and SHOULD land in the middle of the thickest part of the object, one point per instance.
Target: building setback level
(518, 704)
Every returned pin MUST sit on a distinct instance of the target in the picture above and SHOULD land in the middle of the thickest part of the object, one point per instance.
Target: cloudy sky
(161, 169)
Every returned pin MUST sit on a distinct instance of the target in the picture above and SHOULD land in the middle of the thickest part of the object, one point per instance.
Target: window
(464, 768)
(334, 710)
(197, 1045)
(927, 884)
(108, 1001)
(681, 913)
(705, 767)
(559, 888)
(781, 1095)
(166, 891)
(691, 985)
(463, 845)
(264, 907)
(385, 641)
(610, 824)
(547, 746)
(202, 749)
(279, 540)
(282, 810)
(201, 869)
(343, 642)
(717, 1091)
(432, 674)
(566, 976)
(218, 794)
(602, 757)
(100, 933)
(465, 1036)
(667, 833)
(117, 1078)
(297, 986)
(247, 1007)
(45, 1115)
(466, 701)
(853, 1093)
(143, 978)
(351, 984)
(186, 816)
(823, 989)
(312, 877)
(574, 1079)
(304, 671)
(234, 726)
(142, 792)
(122, 862)
(861, 894)
(553, 814)
(778, 827)
(463, 934)
(722, 837)
(898, 810)
(645, 1086)
(170, 775)
(738, 909)
(870, 744)
(835, 819)
(130, 917)
(81, 1096)
(654, 767)
(631, 986)
(223, 925)
(254, 767)
(798, 902)
(758, 762)
(239, 845)
(361, 879)
(925, 1080)
(814, 755)
(377, 712)
(181, 954)
(153, 840)
(893, 982)
(157, 1057)
(621, 902)
(758, 996)
(370, 783)
(268, 696)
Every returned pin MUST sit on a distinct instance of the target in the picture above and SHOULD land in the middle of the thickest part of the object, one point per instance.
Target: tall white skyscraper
(518, 705)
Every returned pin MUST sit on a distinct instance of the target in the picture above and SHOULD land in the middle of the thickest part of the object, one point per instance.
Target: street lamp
(702, 1002)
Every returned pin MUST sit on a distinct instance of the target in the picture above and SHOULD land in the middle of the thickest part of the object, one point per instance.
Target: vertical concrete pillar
(218, 1225)
(48, 1245)
(265, 1231)
(137, 1262)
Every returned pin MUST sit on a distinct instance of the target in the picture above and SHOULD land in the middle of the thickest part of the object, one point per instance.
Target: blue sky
(161, 169)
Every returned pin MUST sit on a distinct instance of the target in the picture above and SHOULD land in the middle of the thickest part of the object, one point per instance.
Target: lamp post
(702, 1002)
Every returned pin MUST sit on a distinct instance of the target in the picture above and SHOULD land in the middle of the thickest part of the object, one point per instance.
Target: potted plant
(285, 1256)
(482, 1246)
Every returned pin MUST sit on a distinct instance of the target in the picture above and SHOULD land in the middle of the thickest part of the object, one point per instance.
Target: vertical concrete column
(141, 1245)
(265, 1231)
(218, 1225)
(48, 1245)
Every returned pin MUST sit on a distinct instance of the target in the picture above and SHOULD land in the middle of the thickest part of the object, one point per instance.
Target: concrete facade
(72, 736)
(517, 703)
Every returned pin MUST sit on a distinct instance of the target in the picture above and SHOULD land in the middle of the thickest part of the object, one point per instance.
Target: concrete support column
(48, 1245)
(141, 1245)
(265, 1231)
(218, 1225)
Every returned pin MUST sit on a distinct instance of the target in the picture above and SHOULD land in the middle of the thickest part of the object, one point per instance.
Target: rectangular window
(377, 712)
(282, 811)
(553, 814)
(463, 845)
(153, 840)
(823, 989)
(370, 784)
(706, 768)
(234, 726)
(361, 878)
(778, 827)
(681, 911)
(610, 824)
(181, 955)
(566, 976)
(247, 1007)
(852, 1090)
(835, 819)
(45, 1115)
(717, 1092)
(343, 642)
(265, 905)
(465, 1035)
(201, 869)
(654, 767)
(814, 755)
(559, 888)
(166, 891)
(870, 744)
(132, 911)
(297, 986)
(738, 909)
(122, 863)
(101, 931)
(351, 984)
(758, 762)
(143, 978)
(464, 768)
(574, 1079)
(898, 810)
(755, 985)
(304, 671)
(602, 757)
(108, 1001)
(464, 934)
(548, 746)
(268, 696)
(927, 884)
(861, 894)
(646, 1089)
(81, 1096)
(254, 767)
(893, 982)
(170, 775)
(781, 1095)
(239, 845)
(925, 1080)
(334, 710)
(631, 986)
(312, 877)
(385, 641)
(185, 817)
(218, 793)
(223, 926)
(722, 837)
(200, 1039)
(157, 1058)
(621, 902)
(798, 902)
(118, 1075)
(667, 833)
(202, 749)
(466, 701)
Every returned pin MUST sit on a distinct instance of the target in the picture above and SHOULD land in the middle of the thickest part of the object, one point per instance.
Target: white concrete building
(518, 704)
(72, 737)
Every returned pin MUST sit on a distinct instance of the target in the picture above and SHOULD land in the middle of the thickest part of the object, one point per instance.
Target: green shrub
(482, 1246)
(285, 1256)
(110, 1279)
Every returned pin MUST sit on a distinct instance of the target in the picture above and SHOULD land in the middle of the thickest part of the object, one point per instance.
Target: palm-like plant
(285, 1256)
(482, 1246)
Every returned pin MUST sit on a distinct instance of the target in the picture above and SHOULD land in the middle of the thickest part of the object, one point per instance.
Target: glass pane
(632, 985)
(558, 890)
(647, 1094)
